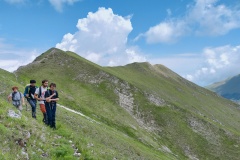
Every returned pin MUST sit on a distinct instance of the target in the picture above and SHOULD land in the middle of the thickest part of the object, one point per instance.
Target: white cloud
(11, 58)
(58, 4)
(166, 31)
(212, 65)
(179, 63)
(213, 18)
(219, 62)
(205, 17)
(102, 38)
(13, 64)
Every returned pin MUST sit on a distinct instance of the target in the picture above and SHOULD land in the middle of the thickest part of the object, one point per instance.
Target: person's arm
(36, 95)
(49, 98)
(26, 92)
(53, 99)
(10, 97)
(57, 98)
(23, 101)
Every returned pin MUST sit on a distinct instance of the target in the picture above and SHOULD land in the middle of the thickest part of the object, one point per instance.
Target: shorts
(42, 108)
(19, 107)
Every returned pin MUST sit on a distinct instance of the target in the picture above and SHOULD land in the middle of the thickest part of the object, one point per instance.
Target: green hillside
(137, 111)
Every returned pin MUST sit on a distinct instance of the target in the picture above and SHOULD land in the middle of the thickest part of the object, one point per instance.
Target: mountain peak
(49, 52)
(146, 108)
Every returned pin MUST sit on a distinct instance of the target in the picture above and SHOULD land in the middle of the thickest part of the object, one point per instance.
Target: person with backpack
(17, 98)
(51, 96)
(29, 95)
(39, 95)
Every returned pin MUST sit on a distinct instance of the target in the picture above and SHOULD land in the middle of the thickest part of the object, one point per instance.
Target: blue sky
(198, 39)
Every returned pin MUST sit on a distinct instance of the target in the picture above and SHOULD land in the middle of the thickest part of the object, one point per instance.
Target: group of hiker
(47, 98)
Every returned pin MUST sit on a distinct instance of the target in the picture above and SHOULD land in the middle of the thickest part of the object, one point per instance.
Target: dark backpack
(27, 91)
(14, 96)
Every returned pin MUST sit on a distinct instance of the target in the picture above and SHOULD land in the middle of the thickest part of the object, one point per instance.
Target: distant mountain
(136, 111)
(229, 88)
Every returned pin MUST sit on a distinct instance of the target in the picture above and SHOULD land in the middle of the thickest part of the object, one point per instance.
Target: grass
(192, 121)
(93, 140)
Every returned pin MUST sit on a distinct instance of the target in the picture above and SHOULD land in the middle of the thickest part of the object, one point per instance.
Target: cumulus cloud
(102, 38)
(204, 17)
(219, 62)
(166, 31)
(58, 4)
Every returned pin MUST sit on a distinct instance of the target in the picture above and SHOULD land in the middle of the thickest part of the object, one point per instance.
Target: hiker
(51, 96)
(39, 95)
(17, 98)
(29, 95)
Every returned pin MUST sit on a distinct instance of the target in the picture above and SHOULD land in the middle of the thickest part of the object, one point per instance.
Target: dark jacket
(48, 93)
(30, 90)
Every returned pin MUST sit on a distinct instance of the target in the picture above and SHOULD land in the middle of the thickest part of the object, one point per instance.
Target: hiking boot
(34, 115)
(45, 118)
(53, 127)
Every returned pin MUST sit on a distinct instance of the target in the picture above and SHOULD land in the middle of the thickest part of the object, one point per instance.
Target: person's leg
(20, 107)
(43, 109)
(49, 114)
(53, 116)
(33, 106)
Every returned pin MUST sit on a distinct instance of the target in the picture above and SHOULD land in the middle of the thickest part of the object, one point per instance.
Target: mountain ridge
(228, 88)
(155, 108)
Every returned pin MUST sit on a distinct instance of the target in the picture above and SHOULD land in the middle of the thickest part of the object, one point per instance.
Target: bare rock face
(154, 99)
(126, 100)
(200, 128)
(13, 114)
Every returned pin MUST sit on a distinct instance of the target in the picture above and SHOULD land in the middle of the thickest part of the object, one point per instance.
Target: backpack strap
(40, 92)
(13, 96)
(48, 92)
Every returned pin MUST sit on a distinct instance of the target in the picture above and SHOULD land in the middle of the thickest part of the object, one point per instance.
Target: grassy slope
(93, 140)
(193, 121)
(116, 136)
(193, 108)
(180, 92)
